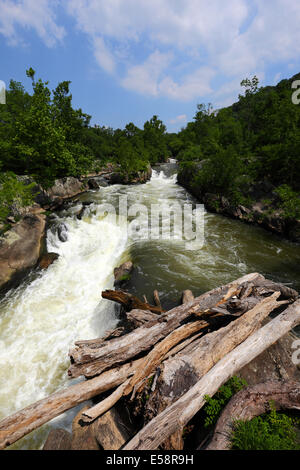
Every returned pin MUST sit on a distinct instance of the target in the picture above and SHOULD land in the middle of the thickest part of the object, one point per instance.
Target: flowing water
(43, 317)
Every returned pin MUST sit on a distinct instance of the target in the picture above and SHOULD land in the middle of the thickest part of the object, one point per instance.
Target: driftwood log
(30, 418)
(229, 337)
(251, 402)
(180, 413)
(129, 301)
(167, 342)
(91, 362)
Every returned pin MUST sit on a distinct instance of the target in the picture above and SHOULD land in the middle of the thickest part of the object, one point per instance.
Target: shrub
(214, 405)
(272, 431)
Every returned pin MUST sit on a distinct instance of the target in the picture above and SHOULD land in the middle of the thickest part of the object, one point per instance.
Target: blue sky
(130, 59)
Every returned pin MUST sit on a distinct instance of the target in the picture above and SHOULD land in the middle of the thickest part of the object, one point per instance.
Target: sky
(130, 59)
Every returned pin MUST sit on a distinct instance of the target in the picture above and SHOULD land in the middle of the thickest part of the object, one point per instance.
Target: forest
(225, 151)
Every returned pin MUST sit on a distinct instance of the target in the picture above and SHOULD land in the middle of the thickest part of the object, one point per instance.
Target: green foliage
(214, 405)
(272, 431)
(13, 193)
(220, 172)
(290, 201)
(154, 136)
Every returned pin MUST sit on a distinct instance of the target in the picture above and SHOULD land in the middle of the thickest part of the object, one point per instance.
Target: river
(50, 310)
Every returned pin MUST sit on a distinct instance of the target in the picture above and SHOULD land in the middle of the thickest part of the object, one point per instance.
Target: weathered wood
(129, 301)
(158, 353)
(180, 413)
(181, 372)
(91, 362)
(187, 296)
(95, 343)
(90, 414)
(154, 358)
(27, 420)
(251, 402)
(156, 298)
(140, 317)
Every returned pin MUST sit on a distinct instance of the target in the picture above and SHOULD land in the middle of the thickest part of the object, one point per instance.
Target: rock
(20, 247)
(92, 184)
(47, 260)
(62, 232)
(273, 364)
(82, 435)
(122, 273)
(294, 231)
(81, 212)
(58, 439)
(110, 430)
(11, 220)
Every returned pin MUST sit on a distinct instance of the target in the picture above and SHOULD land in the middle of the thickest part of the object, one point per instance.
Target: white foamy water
(40, 322)
(43, 318)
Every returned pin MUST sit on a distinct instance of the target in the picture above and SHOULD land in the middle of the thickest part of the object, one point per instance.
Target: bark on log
(140, 317)
(251, 402)
(181, 412)
(90, 414)
(155, 357)
(187, 296)
(95, 343)
(91, 362)
(156, 298)
(129, 301)
(27, 420)
(181, 372)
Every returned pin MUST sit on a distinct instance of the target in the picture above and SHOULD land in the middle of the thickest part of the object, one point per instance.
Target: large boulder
(122, 274)
(62, 189)
(58, 439)
(20, 247)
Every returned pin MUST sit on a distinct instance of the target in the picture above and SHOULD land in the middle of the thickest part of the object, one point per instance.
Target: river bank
(22, 246)
(50, 310)
(263, 210)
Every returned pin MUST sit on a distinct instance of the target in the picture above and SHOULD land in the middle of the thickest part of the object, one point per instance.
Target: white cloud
(144, 78)
(182, 118)
(103, 56)
(193, 86)
(171, 48)
(30, 14)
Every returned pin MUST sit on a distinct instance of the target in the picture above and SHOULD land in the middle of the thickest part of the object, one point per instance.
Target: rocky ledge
(20, 247)
(261, 212)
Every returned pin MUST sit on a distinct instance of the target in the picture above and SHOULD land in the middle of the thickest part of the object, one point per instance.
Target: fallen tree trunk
(159, 352)
(251, 402)
(27, 420)
(180, 413)
(129, 301)
(91, 362)
(182, 371)
(156, 355)
(140, 317)
(89, 415)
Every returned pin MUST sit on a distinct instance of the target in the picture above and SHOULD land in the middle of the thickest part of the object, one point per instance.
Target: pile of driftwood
(178, 356)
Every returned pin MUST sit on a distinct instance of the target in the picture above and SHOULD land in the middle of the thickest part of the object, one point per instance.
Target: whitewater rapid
(50, 310)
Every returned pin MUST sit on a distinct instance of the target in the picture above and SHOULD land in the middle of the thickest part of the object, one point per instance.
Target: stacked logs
(185, 353)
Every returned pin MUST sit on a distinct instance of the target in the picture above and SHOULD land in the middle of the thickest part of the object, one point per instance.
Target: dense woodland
(255, 139)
